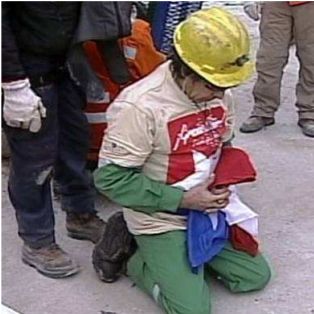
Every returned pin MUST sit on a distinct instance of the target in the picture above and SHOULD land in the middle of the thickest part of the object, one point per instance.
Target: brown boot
(115, 247)
(254, 124)
(51, 261)
(87, 226)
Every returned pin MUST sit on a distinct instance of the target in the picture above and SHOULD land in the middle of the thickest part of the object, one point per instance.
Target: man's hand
(201, 199)
(22, 107)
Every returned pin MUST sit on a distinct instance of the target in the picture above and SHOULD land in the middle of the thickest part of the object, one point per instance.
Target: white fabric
(253, 10)
(204, 167)
(160, 222)
(237, 213)
(22, 107)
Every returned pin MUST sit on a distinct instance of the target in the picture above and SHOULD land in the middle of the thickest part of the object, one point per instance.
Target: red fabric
(241, 240)
(234, 167)
(293, 3)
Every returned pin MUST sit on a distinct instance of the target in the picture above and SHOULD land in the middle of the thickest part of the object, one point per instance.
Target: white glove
(22, 107)
(253, 10)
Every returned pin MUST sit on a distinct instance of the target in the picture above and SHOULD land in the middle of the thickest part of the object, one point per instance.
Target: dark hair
(180, 70)
(178, 67)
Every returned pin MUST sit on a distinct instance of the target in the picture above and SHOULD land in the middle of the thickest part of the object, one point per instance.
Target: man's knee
(174, 301)
(255, 279)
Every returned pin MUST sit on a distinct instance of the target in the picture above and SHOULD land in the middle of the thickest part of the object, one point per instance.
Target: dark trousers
(59, 148)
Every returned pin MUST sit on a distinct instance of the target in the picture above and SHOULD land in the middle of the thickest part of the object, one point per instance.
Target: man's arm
(131, 188)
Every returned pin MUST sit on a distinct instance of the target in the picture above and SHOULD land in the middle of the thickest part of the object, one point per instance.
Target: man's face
(199, 90)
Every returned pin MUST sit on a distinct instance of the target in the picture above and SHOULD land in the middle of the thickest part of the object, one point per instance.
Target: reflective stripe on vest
(96, 117)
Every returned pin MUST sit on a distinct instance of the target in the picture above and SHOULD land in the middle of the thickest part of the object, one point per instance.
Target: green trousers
(160, 267)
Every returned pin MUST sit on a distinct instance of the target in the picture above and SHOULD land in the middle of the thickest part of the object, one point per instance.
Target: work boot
(307, 127)
(254, 124)
(86, 226)
(115, 247)
(51, 261)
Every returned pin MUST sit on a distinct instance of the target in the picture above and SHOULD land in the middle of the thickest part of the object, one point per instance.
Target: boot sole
(256, 130)
(80, 236)
(52, 274)
(305, 132)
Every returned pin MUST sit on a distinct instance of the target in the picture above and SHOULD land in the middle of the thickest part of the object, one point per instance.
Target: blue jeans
(59, 148)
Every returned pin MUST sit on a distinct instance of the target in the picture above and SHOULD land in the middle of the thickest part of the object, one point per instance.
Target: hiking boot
(87, 226)
(307, 127)
(51, 261)
(254, 124)
(115, 247)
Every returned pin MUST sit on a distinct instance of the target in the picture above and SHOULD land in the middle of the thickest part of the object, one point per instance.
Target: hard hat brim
(227, 79)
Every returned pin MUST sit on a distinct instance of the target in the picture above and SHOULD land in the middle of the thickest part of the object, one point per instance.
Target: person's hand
(253, 10)
(201, 199)
(22, 107)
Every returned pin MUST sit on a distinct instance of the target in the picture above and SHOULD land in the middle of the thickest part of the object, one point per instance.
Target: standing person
(179, 119)
(46, 127)
(280, 22)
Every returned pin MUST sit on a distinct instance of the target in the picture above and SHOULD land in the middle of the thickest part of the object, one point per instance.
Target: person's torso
(45, 28)
(186, 136)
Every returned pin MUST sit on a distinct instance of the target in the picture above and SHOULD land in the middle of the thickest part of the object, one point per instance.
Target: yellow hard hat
(215, 44)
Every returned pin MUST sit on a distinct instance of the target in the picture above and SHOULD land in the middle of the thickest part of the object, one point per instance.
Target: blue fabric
(167, 15)
(62, 144)
(207, 234)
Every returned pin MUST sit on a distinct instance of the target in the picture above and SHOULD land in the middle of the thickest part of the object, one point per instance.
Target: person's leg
(32, 159)
(160, 267)
(275, 36)
(76, 186)
(276, 31)
(240, 272)
(33, 156)
(304, 38)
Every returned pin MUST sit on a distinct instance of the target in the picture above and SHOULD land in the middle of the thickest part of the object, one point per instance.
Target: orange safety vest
(142, 58)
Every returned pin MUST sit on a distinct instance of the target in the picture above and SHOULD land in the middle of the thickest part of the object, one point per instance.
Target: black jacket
(49, 28)
(38, 28)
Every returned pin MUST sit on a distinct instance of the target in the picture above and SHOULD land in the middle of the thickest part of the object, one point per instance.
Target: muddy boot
(307, 127)
(115, 247)
(254, 124)
(87, 226)
(51, 261)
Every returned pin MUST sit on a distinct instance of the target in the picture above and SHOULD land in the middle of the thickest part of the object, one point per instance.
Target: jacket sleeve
(129, 187)
(104, 20)
(12, 68)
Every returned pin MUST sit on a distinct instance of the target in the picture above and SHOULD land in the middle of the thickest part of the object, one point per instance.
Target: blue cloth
(207, 234)
(167, 15)
(61, 144)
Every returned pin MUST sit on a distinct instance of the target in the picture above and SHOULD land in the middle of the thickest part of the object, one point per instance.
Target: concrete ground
(283, 196)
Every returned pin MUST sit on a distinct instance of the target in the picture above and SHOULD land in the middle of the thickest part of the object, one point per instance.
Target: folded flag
(207, 234)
